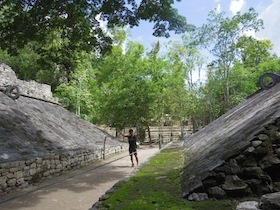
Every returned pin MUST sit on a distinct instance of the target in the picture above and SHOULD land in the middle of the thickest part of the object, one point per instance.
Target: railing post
(159, 141)
(104, 147)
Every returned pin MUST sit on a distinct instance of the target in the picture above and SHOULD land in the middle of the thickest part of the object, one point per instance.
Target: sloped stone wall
(233, 148)
(255, 171)
(40, 140)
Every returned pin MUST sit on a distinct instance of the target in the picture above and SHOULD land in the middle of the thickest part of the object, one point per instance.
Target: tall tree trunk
(226, 91)
(149, 134)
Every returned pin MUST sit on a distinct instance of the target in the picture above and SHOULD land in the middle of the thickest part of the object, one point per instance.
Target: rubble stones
(268, 161)
(248, 205)
(270, 201)
(256, 143)
(198, 197)
(235, 187)
(216, 192)
(253, 172)
(263, 137)
(249, 131)
(233, 182)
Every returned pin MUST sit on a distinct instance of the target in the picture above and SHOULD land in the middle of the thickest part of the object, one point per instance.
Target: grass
(156, 185)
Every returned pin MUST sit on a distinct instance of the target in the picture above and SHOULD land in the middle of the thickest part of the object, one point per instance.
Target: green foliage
(104, 81)
(253, 51)
(58, 29)
(220, 36)
(184, 59)
(157, 186)
(127, 89)
(25, 63)
(80, 94)
(212, 96)
(5, 57)
(29, 20)
(118, 90)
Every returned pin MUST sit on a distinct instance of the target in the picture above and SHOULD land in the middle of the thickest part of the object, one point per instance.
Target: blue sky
(196, 12)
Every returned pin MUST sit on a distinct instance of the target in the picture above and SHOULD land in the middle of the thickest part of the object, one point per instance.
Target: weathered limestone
(20, 174)
(216, 192)
(238, 153)
(198, 197)
(40, 139)
(27, 88)
(248, 205)
(270, 201)
(254, 171)
(234, 184)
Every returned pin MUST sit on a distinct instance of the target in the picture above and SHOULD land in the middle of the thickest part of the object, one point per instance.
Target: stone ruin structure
(31, 89)
(238, 154)
(40, 139)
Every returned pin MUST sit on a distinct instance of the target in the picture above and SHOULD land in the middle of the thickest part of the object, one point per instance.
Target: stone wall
(241, 132)
(20, 174)
(27, 88)
(255, 171)
(39, 140)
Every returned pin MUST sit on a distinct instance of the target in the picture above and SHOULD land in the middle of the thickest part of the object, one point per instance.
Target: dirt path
(77, 190)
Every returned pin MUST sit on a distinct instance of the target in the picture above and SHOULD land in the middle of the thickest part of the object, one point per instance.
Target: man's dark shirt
(132, 143)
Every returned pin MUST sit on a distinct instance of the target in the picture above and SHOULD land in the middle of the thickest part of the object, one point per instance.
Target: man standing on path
(132, 141)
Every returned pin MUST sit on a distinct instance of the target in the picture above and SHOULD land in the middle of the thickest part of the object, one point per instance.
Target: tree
(220, 36)
(184, 59)
(252, 59)
(212, 95)
(28, 20)
(80, 94)
(61, 27)
(127, 91)
(246, 71)
(252, 51)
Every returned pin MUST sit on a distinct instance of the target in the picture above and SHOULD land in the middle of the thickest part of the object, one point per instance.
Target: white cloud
(219, 8)
(250, 33)
(236, 6)
(271, 18)
(103, 24)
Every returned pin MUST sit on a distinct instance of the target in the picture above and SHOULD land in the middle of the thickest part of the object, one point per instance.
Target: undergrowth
(156, 185)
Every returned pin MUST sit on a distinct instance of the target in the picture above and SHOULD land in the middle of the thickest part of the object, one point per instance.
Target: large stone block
(248, 205)
(270, 201)
(3, 182)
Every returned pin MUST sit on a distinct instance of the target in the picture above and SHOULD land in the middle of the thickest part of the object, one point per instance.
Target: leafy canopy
(24, 20)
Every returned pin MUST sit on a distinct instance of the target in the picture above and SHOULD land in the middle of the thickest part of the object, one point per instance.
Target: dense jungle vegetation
(106, 79)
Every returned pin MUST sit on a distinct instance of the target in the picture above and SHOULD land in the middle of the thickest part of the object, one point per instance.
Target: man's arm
(138, 134)
(124, 135)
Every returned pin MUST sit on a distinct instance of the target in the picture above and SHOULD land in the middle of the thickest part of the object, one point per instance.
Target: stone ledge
(27, 88)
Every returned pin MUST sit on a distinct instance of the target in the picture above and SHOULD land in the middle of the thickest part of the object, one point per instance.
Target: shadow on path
(77, 189)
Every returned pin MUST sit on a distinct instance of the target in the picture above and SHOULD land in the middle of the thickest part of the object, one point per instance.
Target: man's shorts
(132, 152)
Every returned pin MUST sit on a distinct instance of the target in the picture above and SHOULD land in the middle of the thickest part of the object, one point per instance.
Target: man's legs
(136, 157)
(131, 158)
